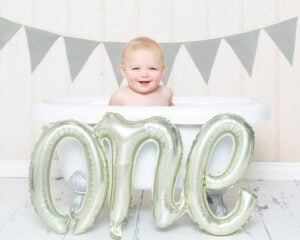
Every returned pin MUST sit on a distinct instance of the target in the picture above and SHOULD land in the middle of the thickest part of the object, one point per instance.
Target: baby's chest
(148, 100)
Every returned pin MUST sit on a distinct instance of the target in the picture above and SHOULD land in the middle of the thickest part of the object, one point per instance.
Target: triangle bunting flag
(7, 30)
(244, 45)
(203, 54)
(114, 50)
(170, 51)
(39, 43)
(284, 34)
(78, 52)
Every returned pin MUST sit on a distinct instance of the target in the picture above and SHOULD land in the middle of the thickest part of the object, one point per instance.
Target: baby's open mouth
(144, 82)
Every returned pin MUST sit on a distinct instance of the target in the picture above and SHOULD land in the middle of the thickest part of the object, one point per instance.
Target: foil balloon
(39, 179)
(198, 181)
(165, 209)
(114, 178)
(125, 139)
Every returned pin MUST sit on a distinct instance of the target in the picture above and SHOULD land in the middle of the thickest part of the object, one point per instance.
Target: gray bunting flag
(203, 54)
(7, 30)
(244, 45)
(78, 52)
(284, 34)
(39, 43)
(114, 50)
(170, 51)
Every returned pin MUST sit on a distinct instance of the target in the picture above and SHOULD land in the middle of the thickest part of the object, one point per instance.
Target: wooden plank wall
(273, 80)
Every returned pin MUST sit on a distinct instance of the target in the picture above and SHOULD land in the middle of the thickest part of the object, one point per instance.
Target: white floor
(277, 215)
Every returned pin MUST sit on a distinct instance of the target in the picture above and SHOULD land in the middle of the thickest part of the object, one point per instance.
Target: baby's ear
(122, 70)
(165, 69)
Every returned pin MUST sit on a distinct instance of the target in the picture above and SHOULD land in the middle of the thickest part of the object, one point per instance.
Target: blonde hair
(141, 43)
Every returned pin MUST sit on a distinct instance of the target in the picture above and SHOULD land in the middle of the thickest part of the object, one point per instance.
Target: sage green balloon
(168, 139)
(125, 139)
(198, 181)
(39, 179)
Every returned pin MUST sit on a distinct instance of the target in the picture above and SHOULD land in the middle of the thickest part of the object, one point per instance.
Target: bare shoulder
(117, 98)
(167, 93)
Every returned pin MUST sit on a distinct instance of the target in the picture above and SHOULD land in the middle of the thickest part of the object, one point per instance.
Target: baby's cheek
(157, 81)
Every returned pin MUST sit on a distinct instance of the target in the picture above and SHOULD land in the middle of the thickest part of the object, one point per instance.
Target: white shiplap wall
(273, 79)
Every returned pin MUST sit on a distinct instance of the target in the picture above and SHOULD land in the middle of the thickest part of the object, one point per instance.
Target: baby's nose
(144, 73)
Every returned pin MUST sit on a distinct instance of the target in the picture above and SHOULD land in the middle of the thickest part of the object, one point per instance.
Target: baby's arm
(168, 94)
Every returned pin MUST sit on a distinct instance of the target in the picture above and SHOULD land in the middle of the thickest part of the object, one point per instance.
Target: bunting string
(202, 52)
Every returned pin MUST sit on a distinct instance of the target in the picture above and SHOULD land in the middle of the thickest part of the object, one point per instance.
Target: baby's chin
(144, 89)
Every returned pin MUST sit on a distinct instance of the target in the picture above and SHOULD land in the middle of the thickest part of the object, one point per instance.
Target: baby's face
(143, 70)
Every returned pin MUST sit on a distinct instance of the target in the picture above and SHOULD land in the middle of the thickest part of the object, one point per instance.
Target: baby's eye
(153, 68)
(135, 68)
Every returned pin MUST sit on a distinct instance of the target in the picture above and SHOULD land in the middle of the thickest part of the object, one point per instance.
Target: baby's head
(142, 43)
(142, 65)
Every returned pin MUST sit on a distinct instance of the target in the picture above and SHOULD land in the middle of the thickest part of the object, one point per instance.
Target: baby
(143, 67)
